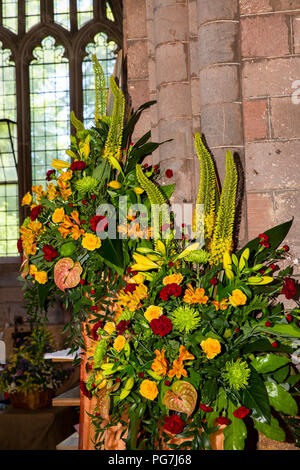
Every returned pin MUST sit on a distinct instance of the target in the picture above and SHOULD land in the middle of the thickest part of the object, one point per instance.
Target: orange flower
(184, 355)
(75, 216)
(220, 305)
(196, 296)
(160, 364)
(148, 389)
(58, 215)
(177, 369)
(76, 232)
(66, 176)
(172, 279)
(52, 192)
(153, 312)
(65, 189)
(211, 347)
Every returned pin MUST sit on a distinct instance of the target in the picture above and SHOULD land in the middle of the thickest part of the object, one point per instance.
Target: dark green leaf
(269, 363)
(255, 397)
(280, 399)
(236, 432)
(272, 431)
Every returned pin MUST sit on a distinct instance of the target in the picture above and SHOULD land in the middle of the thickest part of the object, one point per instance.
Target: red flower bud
(237, 330)
(169, 173)
(213, 281)
(241, 412)
(141, 375)
(167, 383)
(82, 282)
(268, 323)
(93, 291)
(222, 420)
(205, 408)
(93, 197)
(286, 247)
(84, 202)
(274, 345)
(118, 380)
(289, 318)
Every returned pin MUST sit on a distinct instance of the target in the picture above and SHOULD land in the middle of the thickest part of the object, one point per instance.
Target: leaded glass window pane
(84, 12)
(105, 52)
(62, 13)
(10, 15)
(109, 13)
(49, 106)
(9, 212)
(32, 11)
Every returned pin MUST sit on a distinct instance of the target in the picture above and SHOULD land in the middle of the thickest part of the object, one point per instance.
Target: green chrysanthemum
(237, 374)
(185, 319)
(86, 184)
(197, 256)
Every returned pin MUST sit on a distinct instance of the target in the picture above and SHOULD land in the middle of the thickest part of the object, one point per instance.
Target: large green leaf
(276, 236)
(281, 400)
(168, 190)
(272, 431)
(236, 432)
(291, 329)
(43, 290)
(255, 397)
(269, 362)
(264, 345)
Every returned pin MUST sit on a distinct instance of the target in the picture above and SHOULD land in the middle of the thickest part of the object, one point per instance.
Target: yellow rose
(153, 312)
(41, 277)
(119, 343)
(91, 241)
(32, 270)
(138, 191)
(114, 185)
(109, 327)
(211, 347)
(148, 389)
(58, 215)
(237, 298)
(172, 279)
(26, 201)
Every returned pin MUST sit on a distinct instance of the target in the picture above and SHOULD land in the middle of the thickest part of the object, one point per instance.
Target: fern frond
(257, 303)
(222, 238)
(100, 89)
(207, 193)
(76, 122)
(112, 148)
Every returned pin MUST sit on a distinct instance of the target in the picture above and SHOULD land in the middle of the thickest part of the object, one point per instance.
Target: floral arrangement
(63, 254)
(28, 371)
(187, 334)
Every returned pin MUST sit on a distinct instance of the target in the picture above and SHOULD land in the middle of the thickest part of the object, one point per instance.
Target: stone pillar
(168, 23)
(220, 82)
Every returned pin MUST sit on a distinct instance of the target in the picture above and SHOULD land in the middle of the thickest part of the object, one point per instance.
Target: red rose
(175, 290)
(213, 281)
(273, 267)
(222, 420)
(84, 390)
(169, 173)
(170, 289)
(49, 174)
(95, 328)
(263, 236)
(49, 252)
(205, 408)
(174, 424)
(130, 288)
(264, 243)
(20, 246)
(241, 412)
(35, 212)
(161, 326)
(289, 288)
(96, 225)
(122, 326)
(77, 166)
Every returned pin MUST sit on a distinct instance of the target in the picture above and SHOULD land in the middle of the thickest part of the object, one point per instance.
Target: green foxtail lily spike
(100, 89)
(207, 193)
(112, 149)
(222, 240)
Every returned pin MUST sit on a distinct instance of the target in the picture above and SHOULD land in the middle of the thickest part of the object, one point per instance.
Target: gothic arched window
(46, 71)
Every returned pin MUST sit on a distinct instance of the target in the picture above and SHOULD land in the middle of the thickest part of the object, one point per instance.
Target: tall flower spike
(207, 193)
(100, 89)
(155, 196)
(112, 149)
(222, 240)
(76, 122)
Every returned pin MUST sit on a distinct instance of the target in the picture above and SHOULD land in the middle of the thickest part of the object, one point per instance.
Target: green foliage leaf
(236, 432)
(272, 431)
(280, 399)
(255, 397)
(290, 330)
(269, 363)
(112, 252)
(281, 374)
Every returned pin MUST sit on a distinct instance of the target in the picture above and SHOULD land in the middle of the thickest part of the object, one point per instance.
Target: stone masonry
(230, 70)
